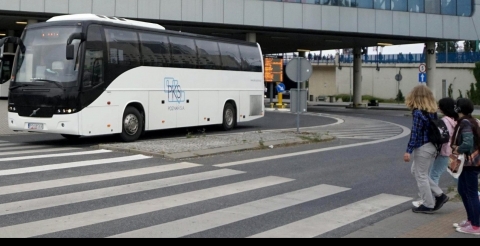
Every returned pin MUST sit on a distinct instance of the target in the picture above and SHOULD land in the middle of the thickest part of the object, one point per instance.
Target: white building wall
(382, 84)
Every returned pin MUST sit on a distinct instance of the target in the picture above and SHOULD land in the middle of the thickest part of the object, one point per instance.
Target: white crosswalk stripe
(71, 165)
(93, 178)
(38, 228)
(24, 152)
(229, 215)
(334, 219)
(45, 196)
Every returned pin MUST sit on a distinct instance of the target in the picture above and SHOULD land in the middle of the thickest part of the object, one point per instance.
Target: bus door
(6, 64)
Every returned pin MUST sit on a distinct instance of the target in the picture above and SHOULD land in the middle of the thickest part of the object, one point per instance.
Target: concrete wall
(328, 80)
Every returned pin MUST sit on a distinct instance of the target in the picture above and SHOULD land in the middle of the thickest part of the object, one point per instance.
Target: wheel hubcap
(130, 124)
(229, 117)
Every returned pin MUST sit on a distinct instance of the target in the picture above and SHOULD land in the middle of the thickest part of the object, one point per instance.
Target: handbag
(456, 162)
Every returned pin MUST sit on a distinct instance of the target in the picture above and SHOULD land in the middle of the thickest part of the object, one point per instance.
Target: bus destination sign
(273, 69)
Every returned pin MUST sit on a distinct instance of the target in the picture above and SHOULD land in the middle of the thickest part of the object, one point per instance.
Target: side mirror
(1, 52)
(70, 51)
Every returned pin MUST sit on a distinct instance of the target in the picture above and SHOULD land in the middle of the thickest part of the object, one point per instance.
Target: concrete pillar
(251, 37)
(431, 62)
(10, 47)
(357, 77)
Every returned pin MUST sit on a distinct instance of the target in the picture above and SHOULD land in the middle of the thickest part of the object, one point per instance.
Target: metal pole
(298, 96)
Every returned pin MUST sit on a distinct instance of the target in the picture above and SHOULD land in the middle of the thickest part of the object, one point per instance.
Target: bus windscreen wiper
(49, 81)
(18, 86)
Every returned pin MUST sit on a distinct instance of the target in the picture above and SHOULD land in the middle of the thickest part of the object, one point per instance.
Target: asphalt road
(347, 187)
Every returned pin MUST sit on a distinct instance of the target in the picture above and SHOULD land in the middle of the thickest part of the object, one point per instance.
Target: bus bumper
(61, 124)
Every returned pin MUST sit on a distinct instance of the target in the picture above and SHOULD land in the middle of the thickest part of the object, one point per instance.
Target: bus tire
(229, 117)
(70, 137)
(132, 125)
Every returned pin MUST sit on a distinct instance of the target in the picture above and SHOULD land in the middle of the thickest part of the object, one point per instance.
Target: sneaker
(439, 201)
(469, 230)
(417, 203)
(423, 210)
(462, 224)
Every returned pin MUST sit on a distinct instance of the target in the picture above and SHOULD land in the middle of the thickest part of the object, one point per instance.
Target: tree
(400, 98)
(469, 45)
(474, 92)
(450, 91)
(442, 46)
(461, 95)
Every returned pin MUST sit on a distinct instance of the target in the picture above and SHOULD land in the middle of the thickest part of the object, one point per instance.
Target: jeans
(468, 190)
(423, 158)
(438, 168)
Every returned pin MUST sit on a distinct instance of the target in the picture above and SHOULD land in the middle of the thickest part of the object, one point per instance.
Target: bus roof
(110, 19)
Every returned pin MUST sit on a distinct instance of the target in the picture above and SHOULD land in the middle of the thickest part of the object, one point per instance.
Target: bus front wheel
(132, 125)
(229, 117)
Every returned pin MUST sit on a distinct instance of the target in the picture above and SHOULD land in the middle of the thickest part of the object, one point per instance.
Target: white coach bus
(89, 75)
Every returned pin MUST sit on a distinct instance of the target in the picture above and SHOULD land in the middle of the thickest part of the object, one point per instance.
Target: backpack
(437, 132)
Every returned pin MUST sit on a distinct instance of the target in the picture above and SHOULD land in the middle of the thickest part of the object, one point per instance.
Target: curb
(208, 152)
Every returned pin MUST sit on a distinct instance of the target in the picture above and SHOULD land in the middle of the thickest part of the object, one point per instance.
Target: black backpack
(437, 132)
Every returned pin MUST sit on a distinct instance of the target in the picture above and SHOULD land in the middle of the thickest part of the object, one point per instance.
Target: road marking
(66, 199)
(4, 190)
(405, 133)
(37, 151)
(71, 165)
(230, 215)
(25, 146)
(93, 152)
(68, 222)
(334, 219)
(9, 144)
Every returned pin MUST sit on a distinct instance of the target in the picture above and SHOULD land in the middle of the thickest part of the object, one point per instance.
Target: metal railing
(454, 57)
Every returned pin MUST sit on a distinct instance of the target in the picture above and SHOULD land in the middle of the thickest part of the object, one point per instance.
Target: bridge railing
(454, 57)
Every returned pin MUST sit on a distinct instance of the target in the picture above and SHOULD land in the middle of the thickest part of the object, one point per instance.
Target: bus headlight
(12, 109)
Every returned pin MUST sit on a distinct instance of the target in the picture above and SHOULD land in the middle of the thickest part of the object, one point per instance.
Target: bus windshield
(45, 57)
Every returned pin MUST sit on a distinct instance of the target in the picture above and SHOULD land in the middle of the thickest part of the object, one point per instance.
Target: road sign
(299, 69)
(280, 88)
(422, 68)
(398, 77)
(422, 77)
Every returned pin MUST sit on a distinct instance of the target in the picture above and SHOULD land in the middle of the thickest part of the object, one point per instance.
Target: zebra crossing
(79, 205)
(359, 128)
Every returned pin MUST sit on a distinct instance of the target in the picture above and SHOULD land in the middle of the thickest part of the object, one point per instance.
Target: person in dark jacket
(467, 136)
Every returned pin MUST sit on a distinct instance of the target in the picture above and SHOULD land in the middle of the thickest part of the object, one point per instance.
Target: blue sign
(280, 88)
(422, 77)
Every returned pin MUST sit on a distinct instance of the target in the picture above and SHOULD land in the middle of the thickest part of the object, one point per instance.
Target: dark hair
(447, 105)
(464, 106)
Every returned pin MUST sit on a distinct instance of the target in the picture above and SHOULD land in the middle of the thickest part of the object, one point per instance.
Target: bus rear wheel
(71, 137)
(132, 125)
(229, 117)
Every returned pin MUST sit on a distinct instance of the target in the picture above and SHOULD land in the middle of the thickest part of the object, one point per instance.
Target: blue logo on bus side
(174, 91)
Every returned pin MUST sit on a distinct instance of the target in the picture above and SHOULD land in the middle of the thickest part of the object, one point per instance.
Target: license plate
(35, 126)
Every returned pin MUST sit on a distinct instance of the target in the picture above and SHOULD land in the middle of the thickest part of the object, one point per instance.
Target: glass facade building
(442, 7)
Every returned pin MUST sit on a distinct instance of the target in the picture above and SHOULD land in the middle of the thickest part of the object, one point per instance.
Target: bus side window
(230, 56)
(184, 52)
(93, 74)
(208, 54)
(251, 59)
(155, 50)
